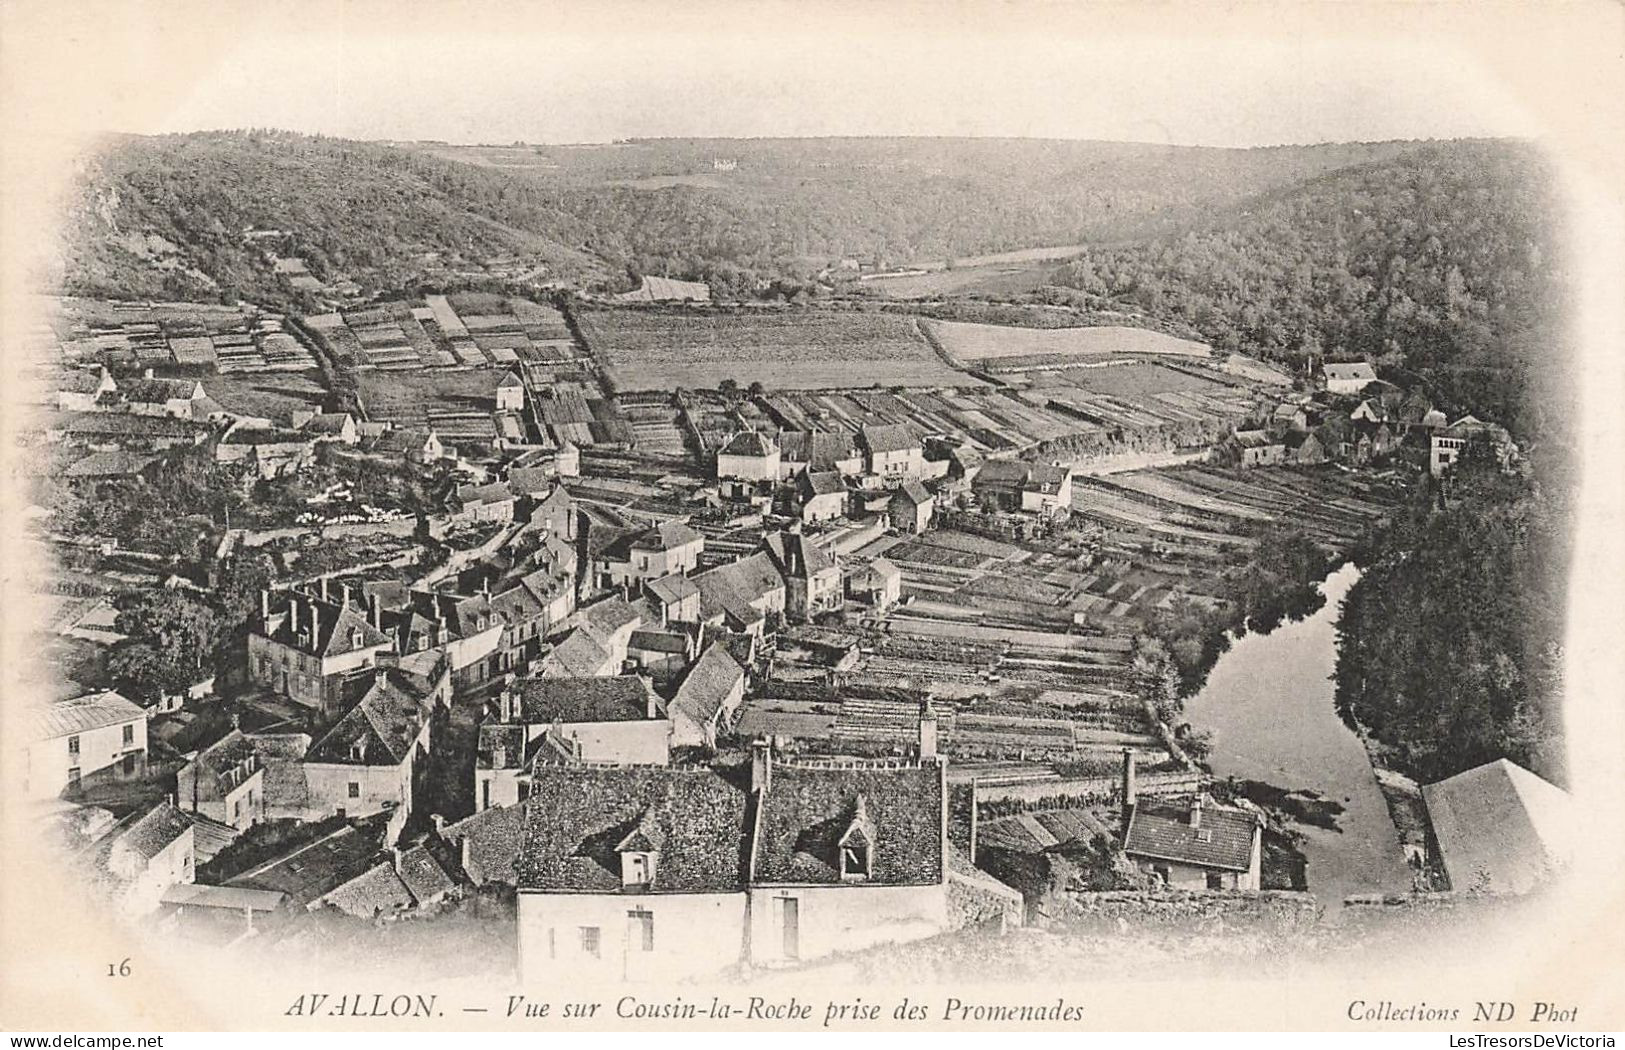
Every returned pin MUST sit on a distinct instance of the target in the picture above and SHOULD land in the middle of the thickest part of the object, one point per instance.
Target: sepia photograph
(543, 517)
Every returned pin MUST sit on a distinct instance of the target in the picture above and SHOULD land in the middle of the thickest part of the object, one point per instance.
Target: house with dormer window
(646, 873)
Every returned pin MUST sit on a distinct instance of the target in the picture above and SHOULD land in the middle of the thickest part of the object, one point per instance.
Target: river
(1268, 703)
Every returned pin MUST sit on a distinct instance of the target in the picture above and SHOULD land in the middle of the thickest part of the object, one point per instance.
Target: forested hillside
(1440, 264)
(371, 211)
(1450, 645)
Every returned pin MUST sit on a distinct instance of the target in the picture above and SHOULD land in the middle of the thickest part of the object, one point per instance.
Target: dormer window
(857, 845)
(637, 869)
(355, 638)
(640, 853)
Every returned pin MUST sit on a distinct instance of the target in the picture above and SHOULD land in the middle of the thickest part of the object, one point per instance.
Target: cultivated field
(410, 397)
(271, 396)
(650, 350)
(1001, 347)
(461, 330)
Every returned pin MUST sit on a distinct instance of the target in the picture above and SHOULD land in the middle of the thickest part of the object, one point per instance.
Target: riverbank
(1268, 704)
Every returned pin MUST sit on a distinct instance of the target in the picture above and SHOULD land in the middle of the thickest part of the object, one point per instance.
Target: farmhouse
(1500, 828)
(909, 509)
(85, 739)
(510, 393)
(419, 445)
(179, 398)
(813, 450)
(328, 426)
(748, 456)
(622, 872)
(878, 584)
(1253, 449)
(369, 761)
(1195, 844)
(707, 700)
(1448, 443)
(676, 597)
(1303, 449)
(224, 782)
(108, 432)
(80, 389)
(655, 552)
(742, 594)
(1349, 377)
(1047, 489)
(892, 454)
(478, 503)
(141, 858)
(821, 495)
(812, 580)
(304, 646)
(600, 720)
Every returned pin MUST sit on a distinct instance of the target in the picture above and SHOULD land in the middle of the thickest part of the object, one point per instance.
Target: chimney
(324, 588)
(761, 765)
(375, 611)
(380, 674)
(315, 623)
(928, 733)
(293, 615)
(1196, 811)
(265, 605)
(439, 823)
(1128, 786)
(395, 858)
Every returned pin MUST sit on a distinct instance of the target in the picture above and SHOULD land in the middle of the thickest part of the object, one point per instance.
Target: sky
(1225, 75)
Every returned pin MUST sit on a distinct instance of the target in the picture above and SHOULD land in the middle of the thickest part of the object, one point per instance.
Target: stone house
(707, 700)
(750, 457)
(224, 782)
(812, 579)
(910, 507)
(892, 455)
(84, 740)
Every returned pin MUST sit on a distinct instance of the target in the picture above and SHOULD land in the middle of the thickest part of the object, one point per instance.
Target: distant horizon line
(634, 139)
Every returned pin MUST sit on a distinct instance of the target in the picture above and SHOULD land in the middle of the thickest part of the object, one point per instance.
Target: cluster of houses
(604, 660)
(1360, 419)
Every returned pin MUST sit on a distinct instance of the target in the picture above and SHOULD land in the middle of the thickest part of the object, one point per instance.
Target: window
(354, 790)
(73, 745)
(854, 862)
(589, 941)
(642, 937)
(1215, 881)
(129, 735)
(129, 764)
(73, 777)
(237, 809)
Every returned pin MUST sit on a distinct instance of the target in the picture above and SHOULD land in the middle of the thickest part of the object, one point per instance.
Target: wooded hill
(789, 207)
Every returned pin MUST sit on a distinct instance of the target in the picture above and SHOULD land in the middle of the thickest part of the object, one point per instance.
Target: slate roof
(113, 464)
(337, 625)
(913, 492)
(714, 675)
(329, 423)
(480, 495)
(748, 443)
(606, 617)
(576, 817)
(150, 833)
(806, 811)
(578, 654)
(796, 555)
(317, 868)
(378, 731)
(733, 587)
(1351, 371)
(490, 841)
(428, 870)
(653, 641)
(376, 890)
(158, 391)
(820, 451)
(816, 483)
(80, 714)
(1500, 828)
(1162, 831)
(122, 424)
(673, 588)
(892, 437)
(401, 439)
(624, 698)
(506, 741)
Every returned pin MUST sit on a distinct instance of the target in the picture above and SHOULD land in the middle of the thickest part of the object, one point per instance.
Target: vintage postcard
(544, 517)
